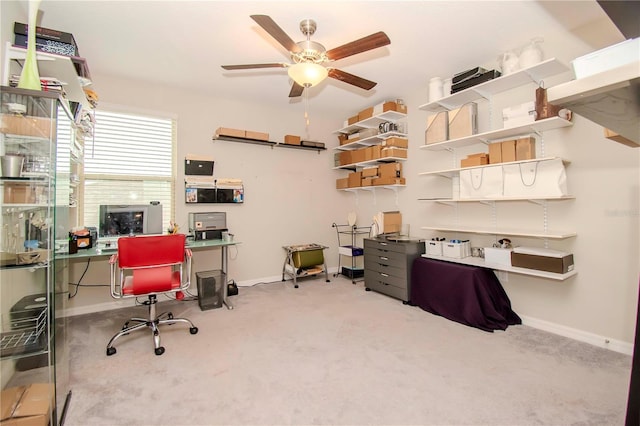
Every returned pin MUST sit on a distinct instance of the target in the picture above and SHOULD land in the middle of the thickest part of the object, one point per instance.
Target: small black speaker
(210, 289)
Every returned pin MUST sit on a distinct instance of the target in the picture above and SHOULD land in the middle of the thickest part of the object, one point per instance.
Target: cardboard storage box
(342, 183)
(437, 128)
(355, 179)
(25, 125)
(376, 152)
(463, 121)
(396, 142)
(390, 170)
(259, 136)
(370, 171)
(393, 152)
(525, 149)
(391, 222)
(456, 250)
(292, 139)
(542, 259)
(342, 138)
(475, 160)
(616, 137)
(495, 153)
(368, 181)
(389, 181)
(434, 248)
(345, 158)
(497, 256)
(352, 120)
(508, 151)
(394, 106)
(22, 194)
(365, 113)
(234, 133)
(27, 405)
(359, 155)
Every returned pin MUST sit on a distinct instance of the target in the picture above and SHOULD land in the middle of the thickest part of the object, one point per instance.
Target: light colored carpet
(334, 354)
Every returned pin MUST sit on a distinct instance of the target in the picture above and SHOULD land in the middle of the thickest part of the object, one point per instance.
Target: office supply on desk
(148, 266)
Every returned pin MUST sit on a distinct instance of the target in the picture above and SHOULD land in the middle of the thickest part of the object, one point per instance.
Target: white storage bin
(457, 250)
(434, 248)
(497, 256)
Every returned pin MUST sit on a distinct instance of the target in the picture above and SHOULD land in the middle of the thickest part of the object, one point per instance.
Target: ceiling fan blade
(276, 32)
(253, 66)
(372, 41)
(296, 90)
(351, 79)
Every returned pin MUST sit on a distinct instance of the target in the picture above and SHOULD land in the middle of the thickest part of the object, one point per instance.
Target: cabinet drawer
(386, 268)
(384, 288)
(389, 258)
(383, 277)
(387, 246)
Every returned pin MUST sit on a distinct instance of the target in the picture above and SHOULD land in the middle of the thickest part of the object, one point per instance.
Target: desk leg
(225, 269)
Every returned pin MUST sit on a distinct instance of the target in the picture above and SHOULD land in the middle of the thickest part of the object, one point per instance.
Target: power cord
(78, 284)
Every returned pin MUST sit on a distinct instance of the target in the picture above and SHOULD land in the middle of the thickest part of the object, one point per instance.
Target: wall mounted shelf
(369, 141)
(556, 235)
(478, 261)
(267, 143)
(533, 74)
(450, 173)
(480, 200)
(372, 122)
(537, 127)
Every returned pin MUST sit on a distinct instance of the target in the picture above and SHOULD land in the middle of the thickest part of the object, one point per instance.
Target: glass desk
(100, 251)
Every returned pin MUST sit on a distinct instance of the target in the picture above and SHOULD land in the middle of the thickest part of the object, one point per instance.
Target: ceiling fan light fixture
(307, 74)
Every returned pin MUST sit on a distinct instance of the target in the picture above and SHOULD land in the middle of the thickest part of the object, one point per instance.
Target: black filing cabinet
(387, 266)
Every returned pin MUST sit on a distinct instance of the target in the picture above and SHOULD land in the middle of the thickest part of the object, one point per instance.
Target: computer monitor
(120, 220)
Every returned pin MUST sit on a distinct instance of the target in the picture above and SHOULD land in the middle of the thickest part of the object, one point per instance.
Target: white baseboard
(99, 307)
(579, 335)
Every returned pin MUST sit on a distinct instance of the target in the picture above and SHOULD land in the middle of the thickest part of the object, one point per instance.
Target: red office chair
(148, 266)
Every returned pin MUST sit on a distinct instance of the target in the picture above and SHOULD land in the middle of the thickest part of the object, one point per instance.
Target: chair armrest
(116, 286)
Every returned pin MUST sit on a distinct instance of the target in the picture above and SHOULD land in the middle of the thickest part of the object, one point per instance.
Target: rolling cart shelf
(304, 260)
(351, 250)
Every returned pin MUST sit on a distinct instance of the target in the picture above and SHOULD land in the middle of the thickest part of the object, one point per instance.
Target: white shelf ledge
(485, 200)
(536, 127)
(478, 261)
(533, 74)
(372, 122)
(554, 235)
(450, 173)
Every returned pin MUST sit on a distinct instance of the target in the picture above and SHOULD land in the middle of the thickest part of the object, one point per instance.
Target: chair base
(153, 322)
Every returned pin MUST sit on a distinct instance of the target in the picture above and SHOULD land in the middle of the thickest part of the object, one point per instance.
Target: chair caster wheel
(160, 350)
(170, 315)
(295, 286)
(367, 289)
(193, 330)
(111, 351)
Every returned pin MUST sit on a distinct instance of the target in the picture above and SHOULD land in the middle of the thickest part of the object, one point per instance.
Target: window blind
(131, 161)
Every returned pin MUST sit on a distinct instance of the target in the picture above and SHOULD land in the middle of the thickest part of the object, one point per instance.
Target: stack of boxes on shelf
(242, 134)
(381, 145)
(503, 152)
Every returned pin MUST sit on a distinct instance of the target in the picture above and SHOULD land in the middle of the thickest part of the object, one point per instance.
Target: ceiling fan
(309, 56)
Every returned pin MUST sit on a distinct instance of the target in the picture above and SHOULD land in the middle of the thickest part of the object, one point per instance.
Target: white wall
(290, 198)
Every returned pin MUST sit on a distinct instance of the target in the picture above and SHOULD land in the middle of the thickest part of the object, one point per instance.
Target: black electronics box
(49, 46)
(465, 75)
(210, 289)
(208, 234)
(198, 166)
(489, 75)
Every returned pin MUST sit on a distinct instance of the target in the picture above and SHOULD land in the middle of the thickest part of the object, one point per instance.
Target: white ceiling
(183, 43)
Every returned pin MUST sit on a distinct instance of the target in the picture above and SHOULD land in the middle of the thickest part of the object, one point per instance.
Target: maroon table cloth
(466, 294)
